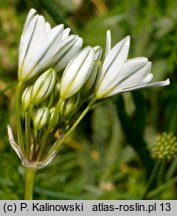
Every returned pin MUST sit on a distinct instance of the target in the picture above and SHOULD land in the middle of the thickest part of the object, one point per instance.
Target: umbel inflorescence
(165, 147)
(59, 81)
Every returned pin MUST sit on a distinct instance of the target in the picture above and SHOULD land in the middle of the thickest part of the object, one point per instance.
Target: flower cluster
(165, 147)
(60, 80)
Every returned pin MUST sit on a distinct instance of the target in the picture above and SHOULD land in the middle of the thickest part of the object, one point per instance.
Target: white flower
(38, 45)
(70, 46)
(77, 72)
(121, 75)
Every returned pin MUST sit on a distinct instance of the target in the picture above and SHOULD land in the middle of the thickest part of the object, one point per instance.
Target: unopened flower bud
(53, 119)
(77, 73)
(26, 98)
(43, 86)
(53, 97)
(41, 118)
(69, 106)
(57, 90)
(165, 147)
(92, 78)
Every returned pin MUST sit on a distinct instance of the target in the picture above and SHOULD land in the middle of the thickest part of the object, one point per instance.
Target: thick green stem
(151, 179)
(18, 116)
(57, 145)
(29, 182)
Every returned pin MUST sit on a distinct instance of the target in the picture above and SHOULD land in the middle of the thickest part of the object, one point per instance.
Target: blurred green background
(109, 156)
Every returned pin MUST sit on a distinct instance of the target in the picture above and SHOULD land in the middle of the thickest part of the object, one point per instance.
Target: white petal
(108, 42)
(155, 84)
(34, 30)
(65, 47)
(158, 84)
(76, 73)
(25, 40)
(69, 48)
(44, 51)
(29, 17)
(130, 69)
(115, 58)
(148, 79)
(132, 73)
(47, 26)
(134, 70)
(135, 76)
(66, 33)
(32, 36)
(112, 64)
(98, 52)
(38, 33)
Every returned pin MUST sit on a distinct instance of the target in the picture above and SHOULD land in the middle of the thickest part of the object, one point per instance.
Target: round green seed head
(165, 147)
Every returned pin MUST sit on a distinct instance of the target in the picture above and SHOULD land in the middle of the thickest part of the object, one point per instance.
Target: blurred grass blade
(140, 113)
(53, 11)
(11, 85)
(161, 188)
(133, 135)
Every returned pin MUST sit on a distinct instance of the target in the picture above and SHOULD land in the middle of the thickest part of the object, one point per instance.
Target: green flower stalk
(59, 82)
